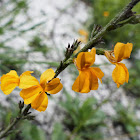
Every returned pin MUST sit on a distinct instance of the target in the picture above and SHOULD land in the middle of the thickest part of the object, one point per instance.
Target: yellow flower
(88, 76)
(121, 51)
(106, 14)
(34, 93)
(9, 82)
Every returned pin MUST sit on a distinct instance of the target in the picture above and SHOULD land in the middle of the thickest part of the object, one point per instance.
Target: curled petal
(120, 74)
(27, 81)
(56, 89)
(82, 83)
(13, 73)
(30, 94)
(122, 51)
(85, 59)
(46, 76)
(53, 86)
(9, 81)
(98, 73)
(40, 103)
(27, 73)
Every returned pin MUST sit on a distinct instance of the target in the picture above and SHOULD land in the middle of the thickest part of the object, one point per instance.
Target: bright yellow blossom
(121, 51)
(9, 82)
(88, 76)
(34, 93)
(106, 14)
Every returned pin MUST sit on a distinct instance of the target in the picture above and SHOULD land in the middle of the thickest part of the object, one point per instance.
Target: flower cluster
(121, 51)
(35, 93)
(32, 92)
(88, 76)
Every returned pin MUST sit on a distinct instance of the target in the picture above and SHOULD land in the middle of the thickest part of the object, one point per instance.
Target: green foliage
(30, 131)
(58, 132)
(127, 119)
(37, 45)
(1, 31)
(25, 130)
(22, 4)
(10, 59)
(83, 119)
(129, 33)
(133, 87)
(7, 113)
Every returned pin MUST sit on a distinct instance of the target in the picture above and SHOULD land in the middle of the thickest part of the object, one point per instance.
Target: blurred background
(34, 35)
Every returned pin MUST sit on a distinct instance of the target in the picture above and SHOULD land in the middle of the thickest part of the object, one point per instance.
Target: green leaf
(58, 132)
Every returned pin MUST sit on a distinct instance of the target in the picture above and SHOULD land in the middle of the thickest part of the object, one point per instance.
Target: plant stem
(10, 127)
(109, 26)
(112, 25)
(20, 116)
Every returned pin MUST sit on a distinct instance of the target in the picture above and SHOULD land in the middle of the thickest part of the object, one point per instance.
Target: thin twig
(20, 116)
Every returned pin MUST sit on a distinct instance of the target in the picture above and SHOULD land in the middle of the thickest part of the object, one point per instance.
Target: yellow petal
(52, 84)
(27, 81)
(41, 102)
(30, 94)
(126, 72)
(82, 83)
(85, 59)
(27, 73)
(56, 90)
(46, 76)
(122, 51)
(9, 87)
(128, 49)
(13, 73)
(93, 80)
(98, 73)
(9, 82)
(119, 74)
